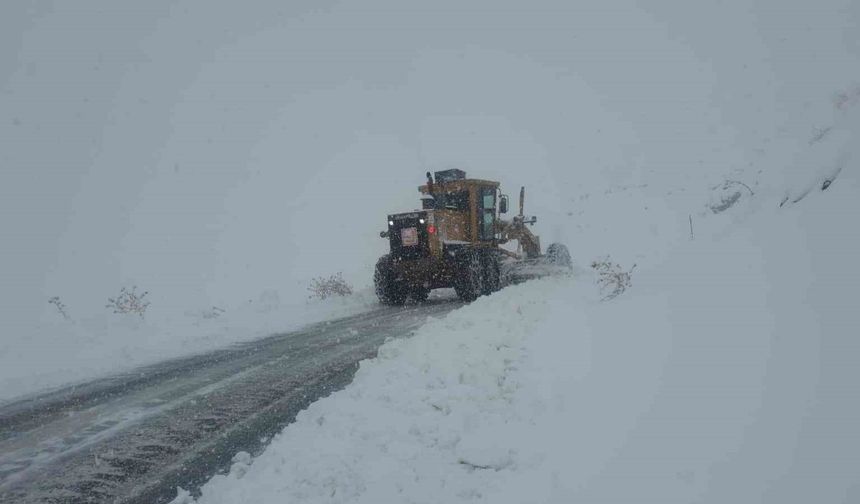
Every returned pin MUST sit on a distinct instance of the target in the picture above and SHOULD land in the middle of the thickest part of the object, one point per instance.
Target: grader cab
(455, 240)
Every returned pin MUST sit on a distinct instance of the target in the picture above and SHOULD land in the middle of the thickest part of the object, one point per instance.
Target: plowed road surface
(135, 437)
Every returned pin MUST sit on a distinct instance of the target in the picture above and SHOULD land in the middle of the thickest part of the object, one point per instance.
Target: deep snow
(727, 373)
(207, 151)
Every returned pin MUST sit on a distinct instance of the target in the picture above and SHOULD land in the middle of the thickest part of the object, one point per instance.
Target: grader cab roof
(454, 180)
(460, 185)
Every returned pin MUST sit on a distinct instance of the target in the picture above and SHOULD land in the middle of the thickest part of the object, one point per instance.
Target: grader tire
(388, 289)
(492, 272)
(469, 283)
(419, 294)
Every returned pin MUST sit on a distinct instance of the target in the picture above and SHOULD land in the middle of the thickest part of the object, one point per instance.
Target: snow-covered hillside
(222, 154)
(65, 352)
(208, 151)
(727, 373)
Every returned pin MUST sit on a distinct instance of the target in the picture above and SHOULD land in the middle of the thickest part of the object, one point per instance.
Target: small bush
(212, 313)
(323, 288)
(611, 278)
(725, 195)
(61, 307)
(847, 98)
(129, 301)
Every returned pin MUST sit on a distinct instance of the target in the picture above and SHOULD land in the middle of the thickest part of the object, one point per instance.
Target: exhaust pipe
(430, 184)
(522, 199)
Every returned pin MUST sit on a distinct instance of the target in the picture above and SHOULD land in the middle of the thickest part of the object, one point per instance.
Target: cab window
(487, 213)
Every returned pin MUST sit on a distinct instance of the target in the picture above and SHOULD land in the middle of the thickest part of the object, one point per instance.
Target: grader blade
(556, 262)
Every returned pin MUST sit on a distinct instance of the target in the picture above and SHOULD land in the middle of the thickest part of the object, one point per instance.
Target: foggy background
(207, 151)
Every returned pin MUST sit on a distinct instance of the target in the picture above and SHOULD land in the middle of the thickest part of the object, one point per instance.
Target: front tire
(469, 281)
(492, 272)
(388, 289)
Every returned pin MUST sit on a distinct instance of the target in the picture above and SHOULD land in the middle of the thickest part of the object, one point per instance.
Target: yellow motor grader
(455, 240)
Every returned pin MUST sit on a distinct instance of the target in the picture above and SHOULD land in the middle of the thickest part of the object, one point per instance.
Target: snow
(57, 352)
(726, 373)
(208, 151)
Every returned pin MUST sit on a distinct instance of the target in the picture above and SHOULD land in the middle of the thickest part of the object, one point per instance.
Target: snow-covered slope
(207, 151)
(726, 373)
(63, 352)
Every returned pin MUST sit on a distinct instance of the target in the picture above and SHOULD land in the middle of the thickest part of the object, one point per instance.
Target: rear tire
(492, 271)
(469, 281)
(385, 283)
(558, 255)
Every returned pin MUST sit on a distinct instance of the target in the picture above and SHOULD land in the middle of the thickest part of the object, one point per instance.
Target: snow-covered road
(139, 435)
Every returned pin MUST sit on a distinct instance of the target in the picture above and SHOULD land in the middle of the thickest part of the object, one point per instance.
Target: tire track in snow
(135, 437)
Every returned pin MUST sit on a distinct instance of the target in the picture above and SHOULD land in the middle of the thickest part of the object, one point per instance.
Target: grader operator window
(487, 213)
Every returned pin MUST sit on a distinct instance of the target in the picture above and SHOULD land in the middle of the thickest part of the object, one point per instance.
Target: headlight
(391, 223)
(421, 221)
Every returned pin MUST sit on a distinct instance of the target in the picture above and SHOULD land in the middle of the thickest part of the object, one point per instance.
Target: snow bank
(727, 373)
(58, 351)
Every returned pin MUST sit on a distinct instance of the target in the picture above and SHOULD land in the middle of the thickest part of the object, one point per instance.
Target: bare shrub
(61, 307)
(612, 278)
(819, 134)
(128, 302)
(323, 288)
(726, 202)
(847, 98)
(212, 313)
(725, 195)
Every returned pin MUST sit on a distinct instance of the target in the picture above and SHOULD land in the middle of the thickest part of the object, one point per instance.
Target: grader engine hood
(409, 235)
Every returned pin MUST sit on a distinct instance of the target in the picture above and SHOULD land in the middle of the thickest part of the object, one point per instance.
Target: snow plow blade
(556, 262)
(530, 269)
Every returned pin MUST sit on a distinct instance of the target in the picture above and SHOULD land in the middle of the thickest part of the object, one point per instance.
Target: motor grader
(455, 240)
